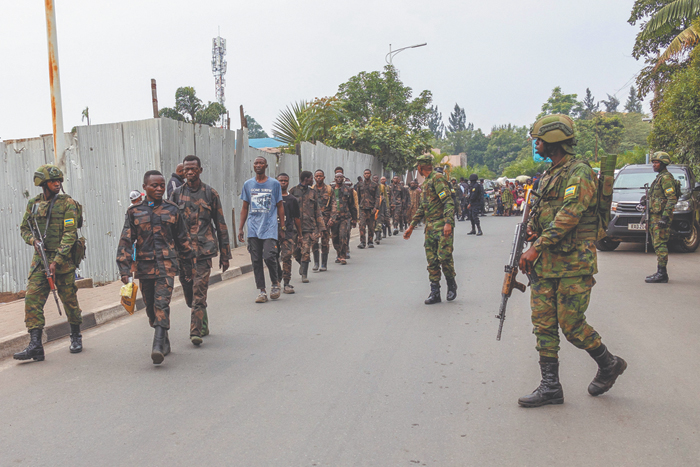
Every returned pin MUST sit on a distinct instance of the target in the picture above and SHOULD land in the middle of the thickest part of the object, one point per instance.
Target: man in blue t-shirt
(262, 206)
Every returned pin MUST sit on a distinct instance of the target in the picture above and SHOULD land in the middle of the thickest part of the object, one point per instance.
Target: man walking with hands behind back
(369, 199)
(312, 223)
(262, 207)
(200, 207)
(563, 229)
(438, 209)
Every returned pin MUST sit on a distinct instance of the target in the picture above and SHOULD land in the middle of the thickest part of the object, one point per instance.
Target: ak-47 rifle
(510, 281)
(39, 245)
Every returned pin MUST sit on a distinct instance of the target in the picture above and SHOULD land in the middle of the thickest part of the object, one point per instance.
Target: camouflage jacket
(204, 216)
(662, 194)
(345, 208)
(368, 194)
(324, 199)
(414, 196)
(397, 195)
(61, 234)
(161, 237)
(310, 209)
(566, 221)
(437, 206)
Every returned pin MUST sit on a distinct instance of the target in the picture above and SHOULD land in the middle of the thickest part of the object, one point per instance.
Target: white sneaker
(262, 298)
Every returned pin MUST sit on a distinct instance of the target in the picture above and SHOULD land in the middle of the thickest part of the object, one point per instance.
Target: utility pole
(59, 144)
(154, 95)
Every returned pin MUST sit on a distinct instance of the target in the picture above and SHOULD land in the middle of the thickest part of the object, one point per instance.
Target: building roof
(259, 143)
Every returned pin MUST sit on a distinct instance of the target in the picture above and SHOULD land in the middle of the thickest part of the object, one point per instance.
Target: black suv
(626, 214)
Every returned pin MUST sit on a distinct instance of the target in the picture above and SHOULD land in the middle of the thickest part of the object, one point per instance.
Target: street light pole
(390, 56)
(56, 105)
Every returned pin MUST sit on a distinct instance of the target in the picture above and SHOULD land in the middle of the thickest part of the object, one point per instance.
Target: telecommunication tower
(218, 67)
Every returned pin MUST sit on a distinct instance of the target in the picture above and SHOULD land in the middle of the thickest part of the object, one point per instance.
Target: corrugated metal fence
(105, 162)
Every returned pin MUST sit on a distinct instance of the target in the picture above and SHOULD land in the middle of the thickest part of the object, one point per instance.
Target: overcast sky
(499, 59)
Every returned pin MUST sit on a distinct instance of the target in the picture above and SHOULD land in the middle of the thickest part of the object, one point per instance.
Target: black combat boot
(388, 230)
(76, 339)
(35, 349)
(434, 296)
(660, 277)
(609, 368)
(451, 289)
(479, 232)
(473, 232)
(549, 390)
(361, 245)
(378, 237)
(305, 272)
(324, 262)
(166, 344)
(157, 354)
(315, 268)
(384, 231)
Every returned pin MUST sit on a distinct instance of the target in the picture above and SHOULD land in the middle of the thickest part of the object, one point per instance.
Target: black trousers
(264, 250)
(474, 216)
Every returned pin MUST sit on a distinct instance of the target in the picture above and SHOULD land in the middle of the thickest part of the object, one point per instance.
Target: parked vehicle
(489, 196)
(626, 212)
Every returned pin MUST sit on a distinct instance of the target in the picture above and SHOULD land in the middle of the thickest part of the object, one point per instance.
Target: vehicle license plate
(635, 227)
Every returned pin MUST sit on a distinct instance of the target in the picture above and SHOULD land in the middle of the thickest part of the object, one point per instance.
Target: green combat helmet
(47, 172)
(557, 128)
(662, 157)
(424, 160)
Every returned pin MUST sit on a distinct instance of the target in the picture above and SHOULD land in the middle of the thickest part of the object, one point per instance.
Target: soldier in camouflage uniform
(59, 234)
(438, 210)
(381, 223)
(563, 229)
(414, 196)
(662, 200)
(324, 199)
(344, 217)
(369, 198)
(287, 233)
(398, 203)
(161, 237)
(200, 207)
(312, 223)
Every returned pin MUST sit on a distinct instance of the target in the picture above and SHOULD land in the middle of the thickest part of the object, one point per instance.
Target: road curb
(18, 341)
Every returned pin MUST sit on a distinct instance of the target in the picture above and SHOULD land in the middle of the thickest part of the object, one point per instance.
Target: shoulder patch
(442, 194)
(670, 191)
(570, 191)
(68, 222)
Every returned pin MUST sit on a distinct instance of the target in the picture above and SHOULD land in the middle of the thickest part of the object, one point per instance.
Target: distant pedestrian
(136, 197)
(324, 193)
(343, 218)
(369, 198)
(475, 198)
(176, 179)
(262, 207)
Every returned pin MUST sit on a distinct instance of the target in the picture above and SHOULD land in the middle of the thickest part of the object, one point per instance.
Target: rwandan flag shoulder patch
(442, 195)
(669, 191)
(570, 191)
(68, 222)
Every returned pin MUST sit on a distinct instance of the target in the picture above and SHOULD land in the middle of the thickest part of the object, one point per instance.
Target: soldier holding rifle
(50, 224)
(563, 256)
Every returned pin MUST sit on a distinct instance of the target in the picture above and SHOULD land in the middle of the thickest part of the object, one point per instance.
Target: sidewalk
(98, 304)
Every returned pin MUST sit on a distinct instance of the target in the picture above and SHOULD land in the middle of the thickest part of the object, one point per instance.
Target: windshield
(633, 180)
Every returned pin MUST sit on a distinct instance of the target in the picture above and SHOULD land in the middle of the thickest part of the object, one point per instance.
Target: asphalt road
(354, 370)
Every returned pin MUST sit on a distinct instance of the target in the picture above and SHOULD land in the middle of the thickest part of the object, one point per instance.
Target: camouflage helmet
(557, 128)
(662, 157)
(47, 172)
(425, 159)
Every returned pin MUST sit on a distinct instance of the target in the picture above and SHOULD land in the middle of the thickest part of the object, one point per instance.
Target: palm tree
(86, 115)
(678, 11)
(290, 127)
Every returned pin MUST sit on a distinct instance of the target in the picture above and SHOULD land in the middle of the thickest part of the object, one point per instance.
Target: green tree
(189, 108)
(86, 115)
(560, 103)
(677, 120)
(290, 127)
(505, 145)
(210, 114)
(611, 104)
(666, 18)
(458, 120)
(602, 134)
(589, 106)
(633, 104)
(435, 123)
(320, 116)
(255, 130)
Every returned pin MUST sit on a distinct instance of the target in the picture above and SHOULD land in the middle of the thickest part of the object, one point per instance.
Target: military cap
(424, 160)
(662, 157)
(47, 172)
(557, 128)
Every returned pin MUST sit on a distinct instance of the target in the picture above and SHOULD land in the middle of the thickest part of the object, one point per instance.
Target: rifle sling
(48, 217)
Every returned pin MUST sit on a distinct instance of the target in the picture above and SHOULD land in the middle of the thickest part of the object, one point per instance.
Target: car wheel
(690, 243)
(607, 244)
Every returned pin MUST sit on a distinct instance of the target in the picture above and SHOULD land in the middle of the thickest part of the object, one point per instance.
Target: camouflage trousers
(383, 218)
(156, 295)
(397, 216)
(341, 237)
(286, 250)
(562, 303)
(659, 238)
(195, 292)
(38, 291)
(302, 251)
(438, 251)
(367, 222)
(324, 239)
